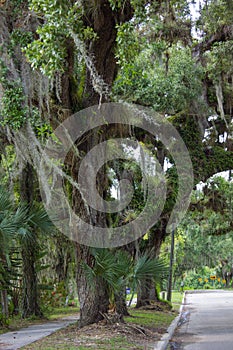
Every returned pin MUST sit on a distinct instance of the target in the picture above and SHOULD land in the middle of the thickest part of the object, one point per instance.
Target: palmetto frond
(21, 215)
(8, 222)
(26, 235)
(148, 268)
(10, 219)
(117, 268)
(5, 201)
(124, 263)
(8, 226)
(39, 218)
(106, 267)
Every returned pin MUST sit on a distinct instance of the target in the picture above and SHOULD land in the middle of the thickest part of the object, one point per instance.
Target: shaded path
(16, 340)
(208, 324)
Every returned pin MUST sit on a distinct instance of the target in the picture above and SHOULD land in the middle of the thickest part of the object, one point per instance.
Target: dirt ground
(102, 336)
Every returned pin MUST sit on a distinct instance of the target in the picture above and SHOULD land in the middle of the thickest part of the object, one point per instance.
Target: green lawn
(153, 319)
(16, 322)
(141, 330)
(104, 337)
(177, 298)
(62, 312)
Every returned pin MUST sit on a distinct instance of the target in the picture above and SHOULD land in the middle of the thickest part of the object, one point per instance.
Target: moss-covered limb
(218, 159)
(208, 158)
(223, 34)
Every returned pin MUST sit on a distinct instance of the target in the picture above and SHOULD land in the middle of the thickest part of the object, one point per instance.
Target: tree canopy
(59, 57)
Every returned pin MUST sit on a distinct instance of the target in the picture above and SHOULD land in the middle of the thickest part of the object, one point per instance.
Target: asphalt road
(206, 322)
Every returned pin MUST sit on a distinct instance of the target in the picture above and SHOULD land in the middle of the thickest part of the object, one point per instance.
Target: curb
(163, 342)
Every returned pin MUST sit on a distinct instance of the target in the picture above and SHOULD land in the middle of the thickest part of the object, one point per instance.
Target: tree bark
(62, 258)
(94, 299)
(103, 21)
(4, 302)
(147, 291)
(120, 300)
(30, 303)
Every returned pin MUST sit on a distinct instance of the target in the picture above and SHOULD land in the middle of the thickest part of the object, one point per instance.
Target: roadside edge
(163, 342)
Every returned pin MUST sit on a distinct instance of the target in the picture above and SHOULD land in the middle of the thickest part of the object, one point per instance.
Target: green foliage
(7, 165)
(20, 38)
(48, 53)
(116, 4)
(201, 279)
(4, 321)
(220, 60)
(205, 237)
(10, 222)
(10, 219)
(18, 225)
(146, 268)
(215, 26)
(147, 82)
(106, 269)
(117, 269)
(127, 43)
(214, 15)
(44, 131)
(14, 111)
(39, 218)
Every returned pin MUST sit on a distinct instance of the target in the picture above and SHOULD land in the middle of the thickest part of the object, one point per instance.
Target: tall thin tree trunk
(4, 302)
(63, 257)
(30, 304)
(3, 287)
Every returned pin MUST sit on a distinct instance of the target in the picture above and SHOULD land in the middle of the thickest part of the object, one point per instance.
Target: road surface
(206, 322)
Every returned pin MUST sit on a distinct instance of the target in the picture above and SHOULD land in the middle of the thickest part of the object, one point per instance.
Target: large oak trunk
(93, 295)
(94, 298)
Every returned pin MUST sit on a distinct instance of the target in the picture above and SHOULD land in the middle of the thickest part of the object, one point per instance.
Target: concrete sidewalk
(22, 337)
(18, 339)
